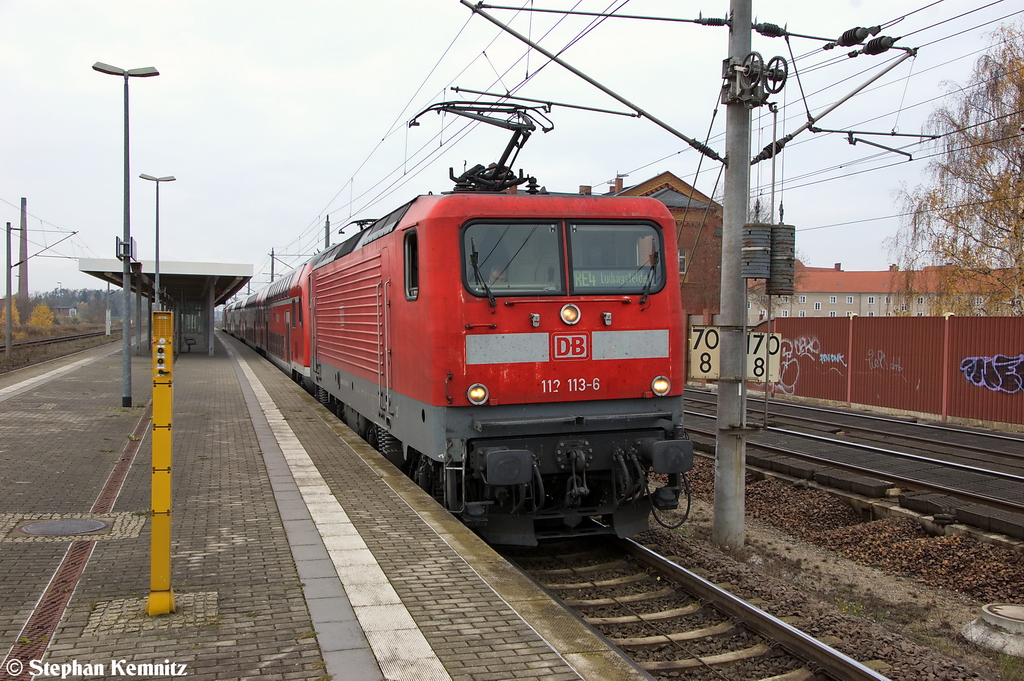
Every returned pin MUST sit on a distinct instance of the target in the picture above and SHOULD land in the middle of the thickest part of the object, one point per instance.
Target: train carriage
(273, 321)
(287, 342)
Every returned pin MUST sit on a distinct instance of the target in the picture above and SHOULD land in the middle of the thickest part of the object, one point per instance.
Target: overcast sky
(273, 116)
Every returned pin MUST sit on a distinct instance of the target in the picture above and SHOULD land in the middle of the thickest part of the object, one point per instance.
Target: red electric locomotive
(520, 356)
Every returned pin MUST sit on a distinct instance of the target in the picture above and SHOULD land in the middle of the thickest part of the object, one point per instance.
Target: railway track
(974, 466)
(673, 623)
(37, 342)
(961, 444)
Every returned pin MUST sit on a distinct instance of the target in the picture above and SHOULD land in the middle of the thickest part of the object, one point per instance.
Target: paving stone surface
(257, 594)
(241, 611)
(474, 633)
(58, 442)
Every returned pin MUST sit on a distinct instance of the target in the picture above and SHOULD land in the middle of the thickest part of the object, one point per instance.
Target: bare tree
(968, 218)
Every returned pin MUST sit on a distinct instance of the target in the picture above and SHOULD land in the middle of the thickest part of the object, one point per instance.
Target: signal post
(161, 595)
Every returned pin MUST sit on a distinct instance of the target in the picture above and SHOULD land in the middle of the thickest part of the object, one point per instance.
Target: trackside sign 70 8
(705, 348)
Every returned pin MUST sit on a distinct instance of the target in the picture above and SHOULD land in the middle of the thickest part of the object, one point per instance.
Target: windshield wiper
(650, 278)
(474, 259)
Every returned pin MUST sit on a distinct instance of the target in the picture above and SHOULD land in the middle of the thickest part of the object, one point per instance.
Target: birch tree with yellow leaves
(968, 217)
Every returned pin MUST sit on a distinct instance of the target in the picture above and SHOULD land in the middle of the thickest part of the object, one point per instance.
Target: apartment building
(834, 292)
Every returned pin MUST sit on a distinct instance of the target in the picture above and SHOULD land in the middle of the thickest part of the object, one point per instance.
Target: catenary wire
(381, 195)
(405, 177)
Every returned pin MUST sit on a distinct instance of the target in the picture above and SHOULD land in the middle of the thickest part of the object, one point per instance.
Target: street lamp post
(8, 325)
(125, 254)
(156, 284)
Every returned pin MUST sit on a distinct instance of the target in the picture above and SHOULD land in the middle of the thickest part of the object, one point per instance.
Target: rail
(648, 605)
(36, 342)
(914, 482)
(800, 644)
(843, 418)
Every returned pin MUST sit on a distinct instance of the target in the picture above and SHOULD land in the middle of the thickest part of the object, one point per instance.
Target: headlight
(661, 386)
(477, 393)
(570, 314)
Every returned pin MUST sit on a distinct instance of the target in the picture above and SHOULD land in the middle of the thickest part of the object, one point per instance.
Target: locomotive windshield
(616, 258)
(501, 259)
(513, 259)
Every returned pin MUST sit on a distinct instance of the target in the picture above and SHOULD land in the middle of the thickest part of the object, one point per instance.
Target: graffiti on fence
(998, 374)
(789, 364)
(876, 359)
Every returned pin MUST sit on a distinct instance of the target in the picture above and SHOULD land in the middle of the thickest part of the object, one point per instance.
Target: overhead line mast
(728, 527)
(748, 82)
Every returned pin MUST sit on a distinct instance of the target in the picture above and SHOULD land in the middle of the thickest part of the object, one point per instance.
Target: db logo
(571, 346)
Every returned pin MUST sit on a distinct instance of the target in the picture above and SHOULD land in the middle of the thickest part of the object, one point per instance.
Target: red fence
(961, 367)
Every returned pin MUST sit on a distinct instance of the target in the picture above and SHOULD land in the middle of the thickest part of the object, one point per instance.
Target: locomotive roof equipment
(522, 120)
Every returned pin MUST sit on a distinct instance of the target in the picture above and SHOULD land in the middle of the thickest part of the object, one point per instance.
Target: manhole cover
(1006, 615)
(61, 527)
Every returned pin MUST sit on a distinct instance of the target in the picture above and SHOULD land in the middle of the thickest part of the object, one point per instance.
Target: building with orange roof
(820, 291)
(834, 292)
(699, 236)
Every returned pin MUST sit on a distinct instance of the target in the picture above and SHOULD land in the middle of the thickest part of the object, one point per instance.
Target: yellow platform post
(161, 595)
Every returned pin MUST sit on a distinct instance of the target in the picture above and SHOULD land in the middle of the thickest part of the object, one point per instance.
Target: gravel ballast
(878, 591)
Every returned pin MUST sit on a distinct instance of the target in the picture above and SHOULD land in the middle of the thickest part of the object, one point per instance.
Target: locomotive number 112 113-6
(573, 385)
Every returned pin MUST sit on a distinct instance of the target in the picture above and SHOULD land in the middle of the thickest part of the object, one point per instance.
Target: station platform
(298, 552)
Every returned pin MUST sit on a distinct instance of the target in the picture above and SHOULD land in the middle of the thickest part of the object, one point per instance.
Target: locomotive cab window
(616, 258)
(412, 266)
(503, 259)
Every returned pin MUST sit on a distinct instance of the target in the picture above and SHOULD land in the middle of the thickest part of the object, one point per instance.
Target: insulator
(713, 21)
(879, 45)
(771, 150)
(756, 252)
(783, 252)
(770, 30)
(855, 36)
(706, 150)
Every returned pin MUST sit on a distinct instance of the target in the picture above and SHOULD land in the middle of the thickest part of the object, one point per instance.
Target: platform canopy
(191, 289)
(183, 282)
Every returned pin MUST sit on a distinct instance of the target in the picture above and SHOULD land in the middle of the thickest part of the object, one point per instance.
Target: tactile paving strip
(127, 615)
